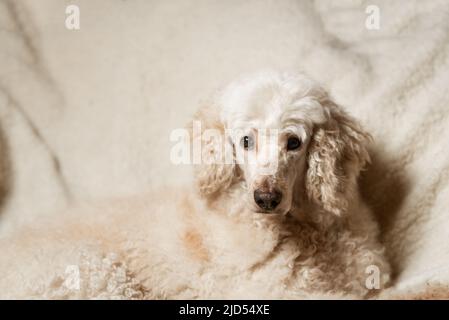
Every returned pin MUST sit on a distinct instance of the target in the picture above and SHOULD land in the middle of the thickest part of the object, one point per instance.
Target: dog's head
(284, 140)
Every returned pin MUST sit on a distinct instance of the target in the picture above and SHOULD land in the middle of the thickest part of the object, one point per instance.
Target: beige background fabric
(87, 114)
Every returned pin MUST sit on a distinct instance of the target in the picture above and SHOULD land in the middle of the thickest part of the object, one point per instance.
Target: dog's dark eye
(293, 143)
(247, 142)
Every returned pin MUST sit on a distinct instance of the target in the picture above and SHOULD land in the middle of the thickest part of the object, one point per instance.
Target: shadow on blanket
(5, 169)
(384, 187)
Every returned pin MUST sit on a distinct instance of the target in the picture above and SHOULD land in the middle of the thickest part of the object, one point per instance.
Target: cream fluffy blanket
(87, 114)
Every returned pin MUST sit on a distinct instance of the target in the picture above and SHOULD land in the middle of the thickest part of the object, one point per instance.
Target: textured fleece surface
(87, 114)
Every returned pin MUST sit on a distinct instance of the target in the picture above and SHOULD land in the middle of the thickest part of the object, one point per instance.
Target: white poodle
(277, 213)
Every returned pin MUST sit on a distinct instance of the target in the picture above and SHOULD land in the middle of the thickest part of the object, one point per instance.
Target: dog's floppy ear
(216, 171)
(337, 153)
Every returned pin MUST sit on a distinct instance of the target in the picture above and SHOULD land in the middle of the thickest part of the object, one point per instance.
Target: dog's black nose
(267, 200)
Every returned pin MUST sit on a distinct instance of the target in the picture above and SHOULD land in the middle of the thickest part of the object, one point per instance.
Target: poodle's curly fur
(216, 242)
